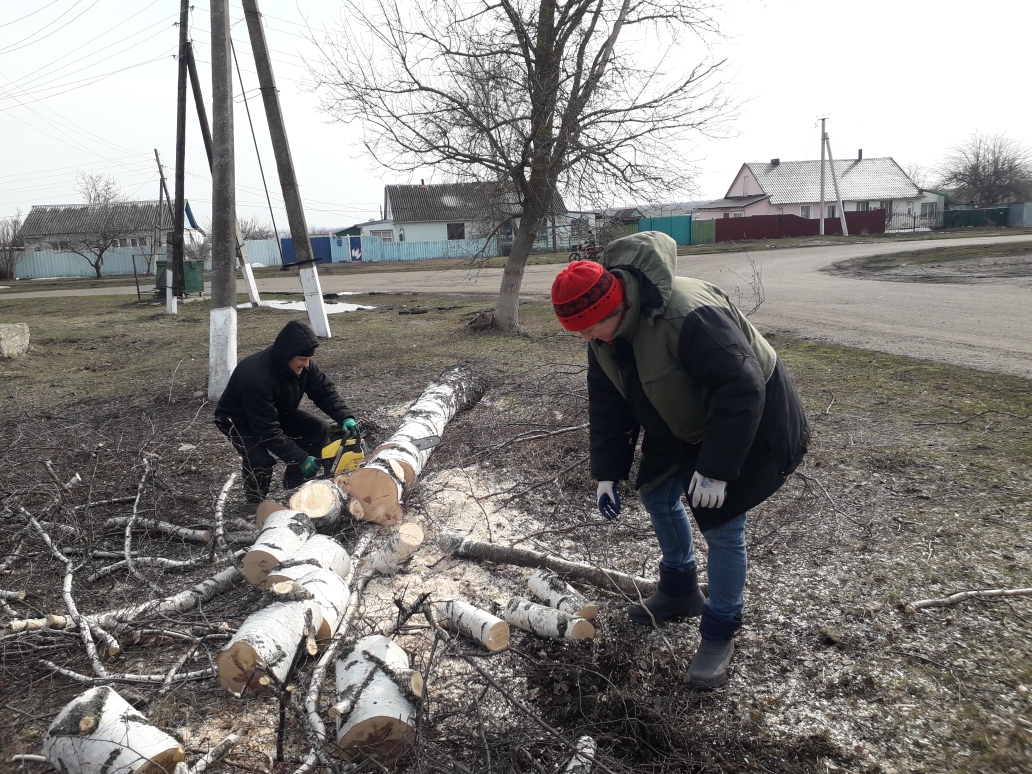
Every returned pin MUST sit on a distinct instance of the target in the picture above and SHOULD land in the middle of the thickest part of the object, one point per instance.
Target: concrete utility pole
(202, 118)
(222, 333)
(171, 305)
(285, 166)
(823, 138)
(175, 270)
(838, 197)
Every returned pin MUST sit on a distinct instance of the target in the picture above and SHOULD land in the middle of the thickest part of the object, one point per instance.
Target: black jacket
(262, 391)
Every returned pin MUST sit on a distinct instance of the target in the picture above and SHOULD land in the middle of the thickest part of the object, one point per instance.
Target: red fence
(783, 226)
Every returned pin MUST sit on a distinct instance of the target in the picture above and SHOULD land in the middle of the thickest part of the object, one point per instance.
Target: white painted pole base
(282, 534)
(405, 541)
(222, 350)
(375, 702)
(475, 624)
(314, 301)
(99, 732)
(546, 621)
(547, 586)
(171, 302)
(245, 268)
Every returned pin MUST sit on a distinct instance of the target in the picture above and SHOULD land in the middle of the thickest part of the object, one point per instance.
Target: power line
(17, 47)
(26, 16)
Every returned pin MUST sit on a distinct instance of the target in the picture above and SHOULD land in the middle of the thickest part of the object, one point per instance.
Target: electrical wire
(26, 16)
(17, 47)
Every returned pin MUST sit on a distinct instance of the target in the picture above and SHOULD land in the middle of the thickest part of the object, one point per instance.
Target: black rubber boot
(677, 596)
(709, 668)
(256, 483)
(293, 477)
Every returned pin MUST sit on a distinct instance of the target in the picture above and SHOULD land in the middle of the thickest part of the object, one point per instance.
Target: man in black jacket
(722, 420)
(259, 411)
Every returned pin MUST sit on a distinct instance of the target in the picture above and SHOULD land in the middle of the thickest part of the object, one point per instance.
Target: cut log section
(283, 533)
(318, 551)
(322, 501)
(376, 488)
(267, 641)
(99, 732)
(266, 508)
(546, 621)
(376, 698)
(327, 588)
(405, 541)
(555, 592)
(476, 624)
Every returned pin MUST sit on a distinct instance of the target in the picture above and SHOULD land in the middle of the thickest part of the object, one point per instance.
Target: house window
(133, 242)
(123, 242)
(385, 236)
(143, 241)
(928, 209)
(727, 214)
(831, 211)
(456, 231)
(736, 214)
(804, 211)
(863, 206)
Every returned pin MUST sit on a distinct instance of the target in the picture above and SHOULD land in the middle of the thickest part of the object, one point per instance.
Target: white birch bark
(584, 760)
(318, 551)
(328, 589)
(405, 541)
(376, 489)
(267, 643)
(376, 712)
(555, 592)
(546, 621)
(99, 732)
(475, 624)
(284, 532)
(322, 501)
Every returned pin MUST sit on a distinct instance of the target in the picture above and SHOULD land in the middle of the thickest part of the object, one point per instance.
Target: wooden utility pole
(177, 284)
(823, 137)
(202, 118)
(285, 166)
(222, 333)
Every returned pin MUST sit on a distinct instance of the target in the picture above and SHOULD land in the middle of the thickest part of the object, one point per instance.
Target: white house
(794, 188)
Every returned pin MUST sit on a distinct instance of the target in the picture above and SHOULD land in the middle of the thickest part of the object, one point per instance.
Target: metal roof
(455, 201)
(69, 219)
(731, 202)
(859, 180)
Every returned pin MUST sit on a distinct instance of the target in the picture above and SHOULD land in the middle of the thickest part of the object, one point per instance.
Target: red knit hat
(585, 293)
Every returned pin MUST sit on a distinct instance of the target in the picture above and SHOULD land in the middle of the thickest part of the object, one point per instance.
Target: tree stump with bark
(99, 732)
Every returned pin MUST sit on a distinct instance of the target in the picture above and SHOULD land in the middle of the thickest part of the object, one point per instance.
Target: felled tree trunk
(265, 509)
(476, 624)
(459, 545)
(99, 732)
(555, 592)
(376, 698)
(268, 640)
(318, 551)
(283, 533)
(376, 488)
(405, 541)
(322, 501)
(327, 588)
(546, 621)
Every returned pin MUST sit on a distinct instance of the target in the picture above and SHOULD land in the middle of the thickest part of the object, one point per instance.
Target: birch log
(327, 588)
(376, 488)
(283, 533)
(375, 701)
(267, 641)
(99, 732)
(318, 551)
(476, 624)
(265, 509)
(322, 501)
(405, 541)
(555, 592)
(584, 760)
(458, 545)
(546, 621)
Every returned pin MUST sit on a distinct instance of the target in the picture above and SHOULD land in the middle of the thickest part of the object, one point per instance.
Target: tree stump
(376, 698)
(283, 533)
(99, 732)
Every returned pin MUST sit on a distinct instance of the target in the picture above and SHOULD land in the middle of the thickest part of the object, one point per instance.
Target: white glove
(706, 492)
(608, 499)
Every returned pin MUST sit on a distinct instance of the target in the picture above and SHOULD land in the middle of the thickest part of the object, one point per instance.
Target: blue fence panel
(262, 252)
(374, 249)
(320, 250)
(677, 226)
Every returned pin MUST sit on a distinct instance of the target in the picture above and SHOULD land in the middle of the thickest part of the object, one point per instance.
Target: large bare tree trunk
(507, 315)
(99, 732)
(376, 489)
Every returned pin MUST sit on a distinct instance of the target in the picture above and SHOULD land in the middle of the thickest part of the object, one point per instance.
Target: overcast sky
(91, 85)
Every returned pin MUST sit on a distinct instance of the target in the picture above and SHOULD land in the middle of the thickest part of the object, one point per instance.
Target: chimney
(775, 162)
(860, 155)
(422, 183)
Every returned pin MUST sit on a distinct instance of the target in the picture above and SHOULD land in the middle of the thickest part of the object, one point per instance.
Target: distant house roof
(672, 209)
(859, 180)
(357, 228)
(454, 201)
(69, 219)
(732, 202)
(623, 213)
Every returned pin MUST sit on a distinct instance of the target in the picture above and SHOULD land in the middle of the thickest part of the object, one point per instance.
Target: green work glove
(350, 427)
(310, 467)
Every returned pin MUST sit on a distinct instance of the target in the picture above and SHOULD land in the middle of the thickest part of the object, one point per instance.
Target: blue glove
(350, 427)
(309, 467)
(608, 499)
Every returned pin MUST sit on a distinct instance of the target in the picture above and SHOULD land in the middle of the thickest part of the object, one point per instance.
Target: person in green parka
(722, 422)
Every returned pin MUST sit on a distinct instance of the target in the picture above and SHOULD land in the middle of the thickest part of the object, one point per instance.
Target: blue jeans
(727, 560)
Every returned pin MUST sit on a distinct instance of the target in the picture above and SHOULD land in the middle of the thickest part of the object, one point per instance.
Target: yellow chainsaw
(347, 455)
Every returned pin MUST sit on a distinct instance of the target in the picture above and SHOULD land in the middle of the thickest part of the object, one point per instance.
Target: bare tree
(10, 245)
(255, 227)
(106, 221)
(918, 174)
(988, 169)
(539, 96)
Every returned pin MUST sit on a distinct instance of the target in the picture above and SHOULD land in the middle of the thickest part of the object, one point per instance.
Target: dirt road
(982, 325)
